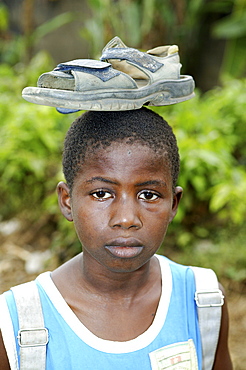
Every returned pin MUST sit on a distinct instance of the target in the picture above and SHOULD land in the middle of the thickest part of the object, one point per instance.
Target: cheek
(88, 221)
(160, 214)
(161, 222)
(159, 233)
(161, 226)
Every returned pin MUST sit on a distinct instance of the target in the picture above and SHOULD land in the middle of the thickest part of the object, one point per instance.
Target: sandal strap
(76, 64)
(133, 56)
(102, 70)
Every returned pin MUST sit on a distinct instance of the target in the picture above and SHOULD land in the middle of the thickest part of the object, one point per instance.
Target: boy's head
(94, 130)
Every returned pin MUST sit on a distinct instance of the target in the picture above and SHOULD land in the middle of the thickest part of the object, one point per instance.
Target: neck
(99, 279)
(94, 279)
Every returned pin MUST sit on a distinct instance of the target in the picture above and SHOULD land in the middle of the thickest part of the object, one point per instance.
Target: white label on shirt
(178, 356)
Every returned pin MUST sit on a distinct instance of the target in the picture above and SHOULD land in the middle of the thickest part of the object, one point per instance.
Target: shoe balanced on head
(124, 78)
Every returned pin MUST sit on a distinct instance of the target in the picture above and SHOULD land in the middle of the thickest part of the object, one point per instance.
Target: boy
(118, 305)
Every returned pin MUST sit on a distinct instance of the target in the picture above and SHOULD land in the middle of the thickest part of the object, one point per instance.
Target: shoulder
(222, 357)
(13, 310)
(3, 355)
(6, 332)
(205, 279)
(207, 282)
(179, 272)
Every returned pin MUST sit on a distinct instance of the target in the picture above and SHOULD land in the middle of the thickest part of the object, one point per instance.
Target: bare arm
(222, 357)
(4, 363)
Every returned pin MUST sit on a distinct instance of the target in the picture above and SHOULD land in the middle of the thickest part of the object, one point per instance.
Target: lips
(124, 248)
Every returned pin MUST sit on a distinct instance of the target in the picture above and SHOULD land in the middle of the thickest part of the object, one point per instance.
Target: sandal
(124, 79)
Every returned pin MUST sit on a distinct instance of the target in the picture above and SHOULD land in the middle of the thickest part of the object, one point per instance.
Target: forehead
(128, 160)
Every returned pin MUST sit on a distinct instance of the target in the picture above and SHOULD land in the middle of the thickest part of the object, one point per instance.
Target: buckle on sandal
(33, 337)
(209, 298)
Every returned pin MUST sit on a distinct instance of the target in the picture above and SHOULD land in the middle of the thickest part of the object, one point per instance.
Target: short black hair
(98, 129)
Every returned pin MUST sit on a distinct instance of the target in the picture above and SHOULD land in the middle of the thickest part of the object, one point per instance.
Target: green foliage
(148, 23)
(234, 25)
(4, 19)
(31, 139)
(233, 29)
(14, 48)
(225, 254)
(211, 133)
(112, 18)
(51, 25)
(143, 20)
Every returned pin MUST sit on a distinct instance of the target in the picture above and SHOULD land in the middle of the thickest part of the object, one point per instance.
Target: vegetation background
(209, 229)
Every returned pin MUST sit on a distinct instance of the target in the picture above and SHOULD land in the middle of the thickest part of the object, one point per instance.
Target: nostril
(125, 214)
(122, 226)
(126, 223)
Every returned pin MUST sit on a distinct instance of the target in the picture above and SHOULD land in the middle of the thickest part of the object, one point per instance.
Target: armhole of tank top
(8, 335)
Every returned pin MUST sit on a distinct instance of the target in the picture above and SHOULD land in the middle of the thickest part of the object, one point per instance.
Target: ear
(178, 192)
(64, 200)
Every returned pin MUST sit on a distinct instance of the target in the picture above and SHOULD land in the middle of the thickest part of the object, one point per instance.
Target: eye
(101, 194)
(148, 195)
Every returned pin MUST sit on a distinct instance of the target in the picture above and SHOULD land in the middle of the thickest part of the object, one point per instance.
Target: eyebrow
(145, 183)
(152, 182)
(99, 178)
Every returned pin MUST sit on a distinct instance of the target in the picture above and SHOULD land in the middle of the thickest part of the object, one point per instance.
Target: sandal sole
(158, 94)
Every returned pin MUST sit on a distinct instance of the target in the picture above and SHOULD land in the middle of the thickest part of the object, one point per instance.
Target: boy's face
(122, 202)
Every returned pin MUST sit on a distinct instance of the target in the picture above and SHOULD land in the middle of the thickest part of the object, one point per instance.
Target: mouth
(124, 248)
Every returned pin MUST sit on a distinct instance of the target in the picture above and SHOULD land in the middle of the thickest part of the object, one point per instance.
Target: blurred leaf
(148, 16)
(52, 25)
(219, 6)
(233, 26)
(4, 18)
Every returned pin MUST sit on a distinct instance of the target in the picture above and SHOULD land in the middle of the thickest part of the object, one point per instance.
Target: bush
(211, 132)
(31, 138)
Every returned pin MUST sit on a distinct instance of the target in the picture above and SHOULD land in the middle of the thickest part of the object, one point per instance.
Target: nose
(125, 214)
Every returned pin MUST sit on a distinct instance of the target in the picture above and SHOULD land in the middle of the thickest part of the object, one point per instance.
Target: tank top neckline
(143, 340)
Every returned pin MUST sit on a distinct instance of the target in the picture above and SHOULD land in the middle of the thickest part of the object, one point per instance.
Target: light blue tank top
(175, 327)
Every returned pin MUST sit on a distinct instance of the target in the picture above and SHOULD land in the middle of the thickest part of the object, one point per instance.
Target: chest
(119, 319)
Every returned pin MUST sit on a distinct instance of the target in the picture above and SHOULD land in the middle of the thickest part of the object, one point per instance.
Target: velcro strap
(79, 64)
(101, 70)
(133, 56)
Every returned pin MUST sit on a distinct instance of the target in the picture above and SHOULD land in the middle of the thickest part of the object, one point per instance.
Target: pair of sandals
(124, 79)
